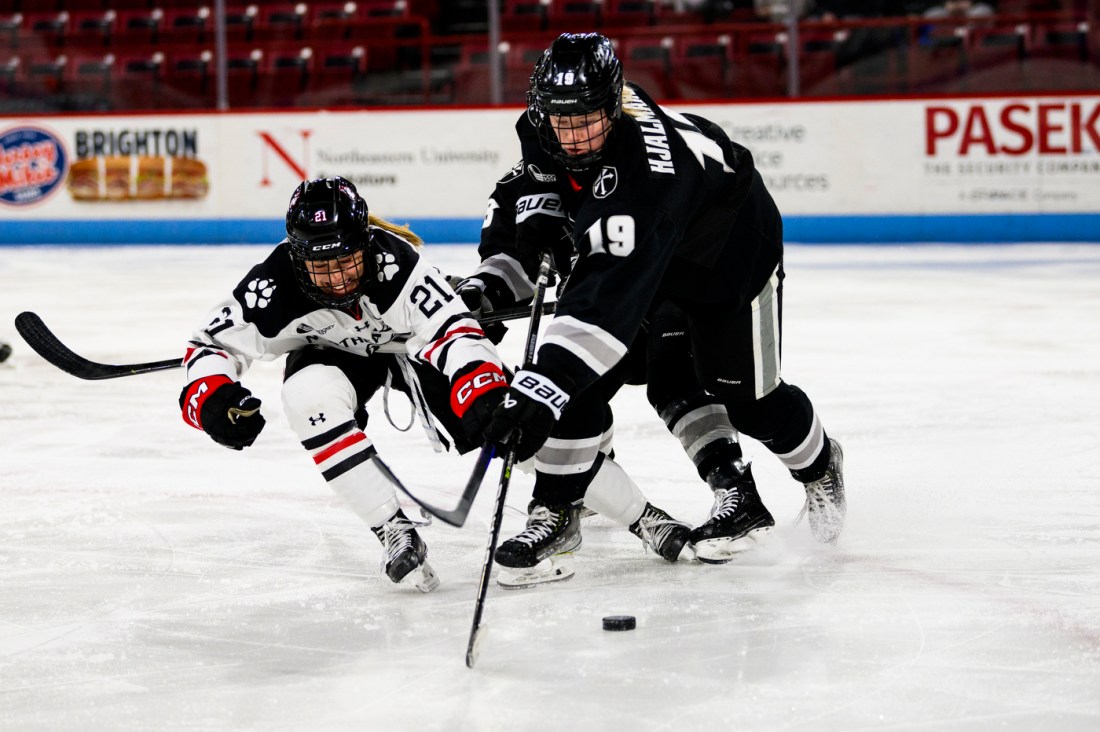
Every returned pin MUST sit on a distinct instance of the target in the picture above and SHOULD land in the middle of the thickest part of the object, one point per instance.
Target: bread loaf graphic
(137, 178)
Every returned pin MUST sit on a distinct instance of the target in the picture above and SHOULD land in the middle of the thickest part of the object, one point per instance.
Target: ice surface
(150, 579)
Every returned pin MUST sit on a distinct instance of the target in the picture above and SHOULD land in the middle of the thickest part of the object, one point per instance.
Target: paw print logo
(387, 266)
(259, 293)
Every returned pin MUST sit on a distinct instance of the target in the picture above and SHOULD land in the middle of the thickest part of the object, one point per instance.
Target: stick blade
(45, 344)
(473, 648)
(457, 516)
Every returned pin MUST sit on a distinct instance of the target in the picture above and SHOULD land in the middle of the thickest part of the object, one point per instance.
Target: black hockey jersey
(407, 302)
(675, 210)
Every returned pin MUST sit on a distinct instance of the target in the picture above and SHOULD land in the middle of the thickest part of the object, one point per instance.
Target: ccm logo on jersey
(541, 388)
(544, 203)
(467, 389)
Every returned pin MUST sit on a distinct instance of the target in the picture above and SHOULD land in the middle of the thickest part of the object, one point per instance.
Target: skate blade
(722, 550)
(555, 569)
(422, 578)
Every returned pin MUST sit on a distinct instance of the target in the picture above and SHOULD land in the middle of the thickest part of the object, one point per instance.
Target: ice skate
(738, 519)
(405, 555)
(542, 552)
(825, 501)
(661, 533)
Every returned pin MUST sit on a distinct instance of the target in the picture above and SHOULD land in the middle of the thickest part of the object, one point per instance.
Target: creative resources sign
(997, 169)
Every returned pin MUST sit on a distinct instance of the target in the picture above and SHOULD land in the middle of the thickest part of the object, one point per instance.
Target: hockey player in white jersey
(661, 206)
(342, 284)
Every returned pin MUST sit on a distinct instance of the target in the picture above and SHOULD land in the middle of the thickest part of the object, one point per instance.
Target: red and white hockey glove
(223, 409)
(475, 394)
(532, 405)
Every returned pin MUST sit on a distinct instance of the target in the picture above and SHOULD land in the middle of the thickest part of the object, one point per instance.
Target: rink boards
(1007, 169)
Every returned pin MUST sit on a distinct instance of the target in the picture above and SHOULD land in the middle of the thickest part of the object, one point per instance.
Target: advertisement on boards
(982, 169)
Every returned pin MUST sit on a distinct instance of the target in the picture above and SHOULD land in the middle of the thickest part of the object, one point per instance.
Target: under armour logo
(317, 420)
(509, 402)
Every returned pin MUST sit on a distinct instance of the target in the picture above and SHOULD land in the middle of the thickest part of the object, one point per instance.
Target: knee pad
(317, 399)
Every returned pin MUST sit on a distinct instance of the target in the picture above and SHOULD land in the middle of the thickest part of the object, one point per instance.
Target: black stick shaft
(40, 338)
(473, 648)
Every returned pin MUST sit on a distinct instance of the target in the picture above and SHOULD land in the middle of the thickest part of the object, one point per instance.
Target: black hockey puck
(619, 622)
(5, 351)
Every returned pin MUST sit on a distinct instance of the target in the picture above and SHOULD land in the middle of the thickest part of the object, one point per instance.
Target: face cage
(548, 138)
(318, 295)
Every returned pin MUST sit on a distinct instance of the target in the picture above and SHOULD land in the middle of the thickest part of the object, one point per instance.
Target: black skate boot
(825, 501)
(738, 520)
(661, 533)
(542, 551)
(405, 555)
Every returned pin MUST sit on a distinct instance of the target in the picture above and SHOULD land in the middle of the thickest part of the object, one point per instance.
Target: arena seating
(127, 54)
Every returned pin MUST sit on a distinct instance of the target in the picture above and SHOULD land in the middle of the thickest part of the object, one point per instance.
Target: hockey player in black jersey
(660, 356)
(662, 207)
(342, 285)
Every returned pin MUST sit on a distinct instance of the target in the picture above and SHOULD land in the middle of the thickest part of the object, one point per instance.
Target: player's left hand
(531, 406)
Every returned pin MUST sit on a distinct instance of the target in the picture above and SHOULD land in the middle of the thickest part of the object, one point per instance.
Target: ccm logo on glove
(195, 395)
(482, 379)
(223, 409)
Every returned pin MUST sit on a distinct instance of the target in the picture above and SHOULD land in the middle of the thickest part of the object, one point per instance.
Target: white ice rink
(152, 580)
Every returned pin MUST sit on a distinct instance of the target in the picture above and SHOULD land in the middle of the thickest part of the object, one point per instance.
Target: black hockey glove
(479, 305)
(531, 406)
(475, 393)
(223, 409)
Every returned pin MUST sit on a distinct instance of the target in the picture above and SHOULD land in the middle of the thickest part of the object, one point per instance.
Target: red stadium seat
(240, 22)
(574, 16)
(519, 62)
(140, 27)
(11, 26)
(242, 67)
(703, 65)
(88, 29)
(335, 74)
(470, 75)
(189, 79)
(629, 13)
(333, 21)
(90, 79)
(760, 65)
(647, 61)
(139, 80)
(49, 29)
(285, 77)
(524, 15)
(188, 25)
(282, 22)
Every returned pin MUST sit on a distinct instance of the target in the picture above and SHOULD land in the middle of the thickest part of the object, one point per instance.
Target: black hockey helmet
(326, 220)
(577, 75)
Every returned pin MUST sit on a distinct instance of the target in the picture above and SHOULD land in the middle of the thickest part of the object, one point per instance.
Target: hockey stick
(457, 515)
(39, 337)
(473, 648)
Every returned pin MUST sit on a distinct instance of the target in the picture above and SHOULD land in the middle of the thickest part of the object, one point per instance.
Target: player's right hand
(223, 409)
(479, 305)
